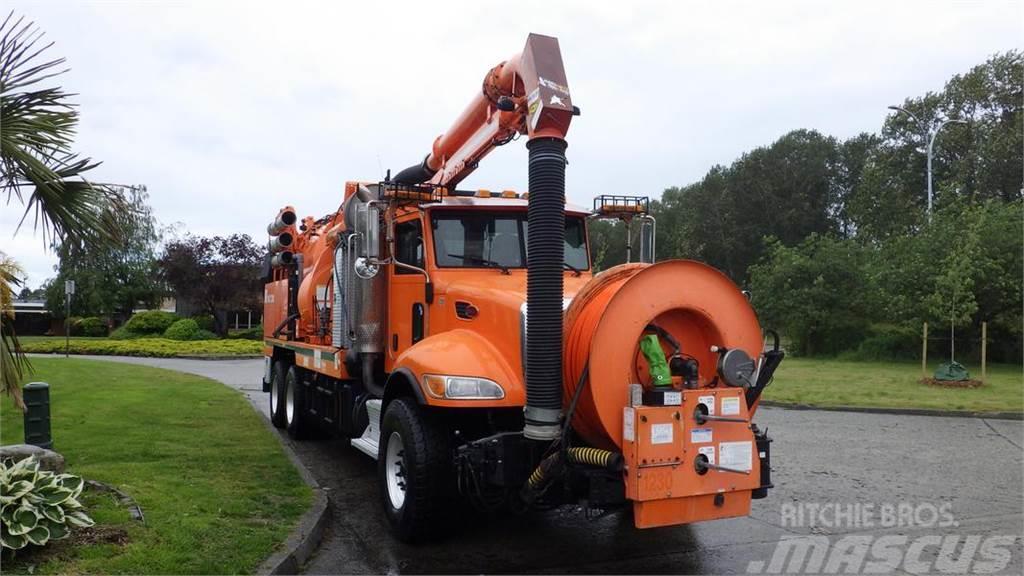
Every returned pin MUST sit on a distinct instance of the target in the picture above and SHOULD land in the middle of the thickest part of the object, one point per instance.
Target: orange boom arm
(526, 94)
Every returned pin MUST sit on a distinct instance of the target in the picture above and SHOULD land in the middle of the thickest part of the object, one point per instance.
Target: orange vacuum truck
(462, 340)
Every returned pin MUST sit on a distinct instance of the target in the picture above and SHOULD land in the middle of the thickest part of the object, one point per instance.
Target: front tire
(294, 405)
(414, 469)
(277, 383)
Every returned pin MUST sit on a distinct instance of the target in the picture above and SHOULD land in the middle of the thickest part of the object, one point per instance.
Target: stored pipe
(285, 218)
(285, 258)
(280, 243)
(544, 288)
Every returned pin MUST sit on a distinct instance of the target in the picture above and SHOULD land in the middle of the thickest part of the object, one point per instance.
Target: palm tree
(39, 169)
(12, 364)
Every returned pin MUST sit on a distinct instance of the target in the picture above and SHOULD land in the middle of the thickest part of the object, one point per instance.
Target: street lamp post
(930, 134)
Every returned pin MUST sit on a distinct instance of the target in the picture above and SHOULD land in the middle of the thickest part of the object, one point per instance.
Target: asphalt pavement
(851, 482)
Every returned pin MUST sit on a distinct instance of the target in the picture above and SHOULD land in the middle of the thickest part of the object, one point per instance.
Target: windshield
(497, 239)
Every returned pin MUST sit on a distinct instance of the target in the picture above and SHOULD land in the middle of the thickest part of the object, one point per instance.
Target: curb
(898, 411)
(304, 539)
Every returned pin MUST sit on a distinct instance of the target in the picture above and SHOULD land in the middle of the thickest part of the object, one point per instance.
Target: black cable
(584, 378)
(665, 334)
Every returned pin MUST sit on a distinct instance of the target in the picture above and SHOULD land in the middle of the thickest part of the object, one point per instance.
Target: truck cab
(472, 250)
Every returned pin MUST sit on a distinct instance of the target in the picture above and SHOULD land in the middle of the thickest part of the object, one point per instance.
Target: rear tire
(294, 405)
(277, 378)
(414, 469)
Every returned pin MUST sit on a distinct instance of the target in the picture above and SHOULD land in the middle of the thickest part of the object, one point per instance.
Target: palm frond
(39, 168)
(13, 362)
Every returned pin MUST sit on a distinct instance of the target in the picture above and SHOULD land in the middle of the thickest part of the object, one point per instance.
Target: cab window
(409, 245)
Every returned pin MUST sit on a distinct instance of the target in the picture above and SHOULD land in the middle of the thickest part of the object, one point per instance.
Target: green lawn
(826, 382)
(217, 491)
(161, 347)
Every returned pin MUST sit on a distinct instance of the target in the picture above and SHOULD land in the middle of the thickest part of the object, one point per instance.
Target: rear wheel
(277, 383)
(414, 469)
(294, 405)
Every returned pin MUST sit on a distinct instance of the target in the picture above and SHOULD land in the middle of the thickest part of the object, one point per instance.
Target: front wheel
(414, 468)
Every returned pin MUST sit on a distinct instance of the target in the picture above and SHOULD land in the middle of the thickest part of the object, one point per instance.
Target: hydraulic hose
(544, 288)
(553, 466)
(596, 457)
(415, 174)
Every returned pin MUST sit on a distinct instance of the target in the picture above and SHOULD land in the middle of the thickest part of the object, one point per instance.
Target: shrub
(38, 506)
(150, 322)
(72, 325)
(205, 335)
(186, 329)
(122, 333)
(91, 326)
(888, 342)
(205, 321)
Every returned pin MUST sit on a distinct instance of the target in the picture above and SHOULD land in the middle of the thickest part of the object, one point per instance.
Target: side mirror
(366, 268)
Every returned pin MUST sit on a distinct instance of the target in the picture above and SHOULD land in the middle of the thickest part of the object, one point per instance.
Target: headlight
(462, 388)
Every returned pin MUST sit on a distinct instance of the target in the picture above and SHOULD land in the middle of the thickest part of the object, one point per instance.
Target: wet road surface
(967, 469)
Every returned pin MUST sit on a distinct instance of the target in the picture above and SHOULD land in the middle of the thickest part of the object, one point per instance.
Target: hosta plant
(37, 506)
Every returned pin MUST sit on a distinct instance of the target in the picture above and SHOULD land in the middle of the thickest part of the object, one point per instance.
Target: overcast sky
(228, 111)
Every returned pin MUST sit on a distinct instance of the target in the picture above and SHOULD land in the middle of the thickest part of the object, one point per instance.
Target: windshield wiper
(575, 270)
(484, 261)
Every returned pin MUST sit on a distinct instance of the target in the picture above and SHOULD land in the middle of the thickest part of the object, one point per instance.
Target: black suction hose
(544, 288)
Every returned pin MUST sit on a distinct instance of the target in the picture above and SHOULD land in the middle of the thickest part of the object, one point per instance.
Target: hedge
(155, 347)
(150, 322)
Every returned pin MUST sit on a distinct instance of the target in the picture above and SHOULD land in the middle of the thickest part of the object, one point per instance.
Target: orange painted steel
(694, 302)
(536, 99)
(661, 478)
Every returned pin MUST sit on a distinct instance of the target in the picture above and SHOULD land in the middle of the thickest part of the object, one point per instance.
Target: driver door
(407, 305)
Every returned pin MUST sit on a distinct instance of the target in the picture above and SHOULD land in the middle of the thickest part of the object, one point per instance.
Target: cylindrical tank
(698, 305)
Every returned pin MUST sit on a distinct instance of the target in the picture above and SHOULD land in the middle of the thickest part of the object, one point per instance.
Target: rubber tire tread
(297, 429)
(430, 493)
(277, 374)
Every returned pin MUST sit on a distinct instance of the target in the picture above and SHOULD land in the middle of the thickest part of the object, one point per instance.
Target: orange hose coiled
(581, 320)
(698, 305)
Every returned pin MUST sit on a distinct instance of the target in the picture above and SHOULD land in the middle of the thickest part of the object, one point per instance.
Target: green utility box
(37, 414)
